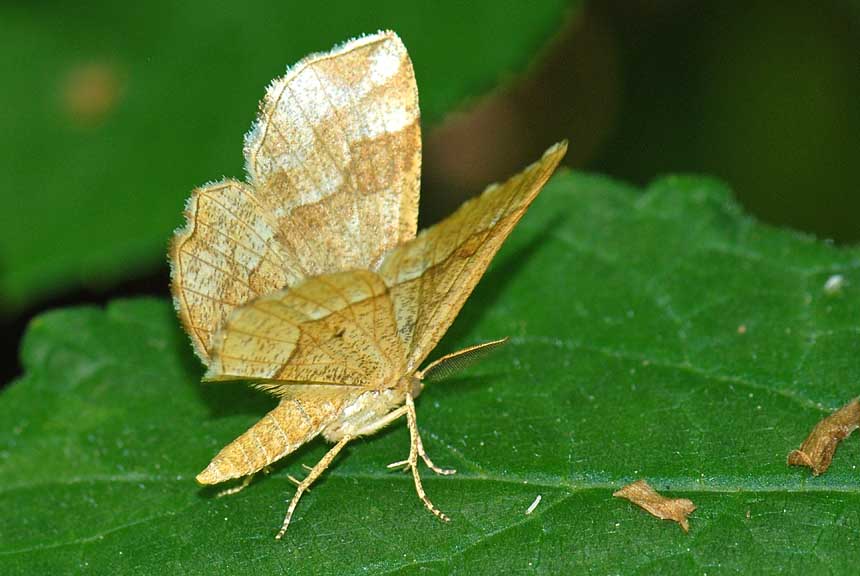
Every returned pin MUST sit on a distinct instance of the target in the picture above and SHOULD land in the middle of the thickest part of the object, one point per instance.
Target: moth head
(413, 384)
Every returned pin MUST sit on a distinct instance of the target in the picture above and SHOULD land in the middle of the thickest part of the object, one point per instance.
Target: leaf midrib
(679, 484)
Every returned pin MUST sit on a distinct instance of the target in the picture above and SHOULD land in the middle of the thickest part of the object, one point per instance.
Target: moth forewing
(431, 276)
(336, 154)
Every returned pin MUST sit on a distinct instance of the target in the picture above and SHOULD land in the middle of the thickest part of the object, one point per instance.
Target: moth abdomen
(277, 434)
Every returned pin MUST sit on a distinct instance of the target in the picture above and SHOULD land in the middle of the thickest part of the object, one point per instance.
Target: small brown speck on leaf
(742, 329)
(641, 494)
(817, 450)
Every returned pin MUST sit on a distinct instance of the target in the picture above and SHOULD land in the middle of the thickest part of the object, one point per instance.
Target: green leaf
(96, 200)
(662, 335)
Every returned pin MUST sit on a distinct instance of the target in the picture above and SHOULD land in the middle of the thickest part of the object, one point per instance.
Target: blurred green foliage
(112, 112)
(765, 95)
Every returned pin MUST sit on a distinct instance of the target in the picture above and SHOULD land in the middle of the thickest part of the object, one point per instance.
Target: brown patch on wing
(304, 235)
(644, 496)
(817, 450)
(431, 276)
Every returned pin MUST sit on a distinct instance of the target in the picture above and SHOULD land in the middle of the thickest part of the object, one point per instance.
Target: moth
(308, 279)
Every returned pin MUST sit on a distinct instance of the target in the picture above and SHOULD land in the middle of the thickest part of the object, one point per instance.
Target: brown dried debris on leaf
(817, 450)
(641, 494)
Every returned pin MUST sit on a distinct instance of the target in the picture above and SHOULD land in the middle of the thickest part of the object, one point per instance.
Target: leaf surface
(660, 335)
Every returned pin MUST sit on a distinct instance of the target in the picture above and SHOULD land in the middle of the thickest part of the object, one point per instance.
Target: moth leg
(238, 488)
(296, 481)
(305, 484)
(415, 449)
(416, 439)
(423, 454)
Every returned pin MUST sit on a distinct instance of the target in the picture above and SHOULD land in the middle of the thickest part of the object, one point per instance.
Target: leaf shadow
(221, 398)
(235, 397)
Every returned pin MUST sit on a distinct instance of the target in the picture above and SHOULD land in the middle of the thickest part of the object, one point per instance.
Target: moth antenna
(456, 361)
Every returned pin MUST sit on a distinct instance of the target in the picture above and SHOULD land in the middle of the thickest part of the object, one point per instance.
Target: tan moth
(309, 281)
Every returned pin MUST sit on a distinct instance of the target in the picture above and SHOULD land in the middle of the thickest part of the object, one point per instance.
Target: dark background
(762, 95)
